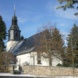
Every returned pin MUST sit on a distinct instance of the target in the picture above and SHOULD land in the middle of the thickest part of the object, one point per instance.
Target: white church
(24, 49)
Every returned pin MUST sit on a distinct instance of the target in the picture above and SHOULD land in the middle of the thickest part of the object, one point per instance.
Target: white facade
(31, 59)
(10, 45)
(26, 59)
(12, 34)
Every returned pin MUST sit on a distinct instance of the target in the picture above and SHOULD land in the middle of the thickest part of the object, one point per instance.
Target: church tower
(13, 33)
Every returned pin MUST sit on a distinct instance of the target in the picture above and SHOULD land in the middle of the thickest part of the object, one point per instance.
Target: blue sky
(33, 14)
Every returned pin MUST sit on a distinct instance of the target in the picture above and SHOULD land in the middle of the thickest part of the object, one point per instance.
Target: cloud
(22, 20)
(68, 14)
(29, 16)
(65, 34)
(36, 18)
(25, 19)
(62, 25)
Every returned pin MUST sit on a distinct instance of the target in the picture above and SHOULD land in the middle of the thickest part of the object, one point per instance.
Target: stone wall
(10, 68)
(49, 71)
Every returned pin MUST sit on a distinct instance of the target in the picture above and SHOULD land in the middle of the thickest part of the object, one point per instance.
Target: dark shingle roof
(27, 45)
(14, 27)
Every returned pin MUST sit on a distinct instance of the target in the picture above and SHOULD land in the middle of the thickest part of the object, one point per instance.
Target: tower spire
(14, 9)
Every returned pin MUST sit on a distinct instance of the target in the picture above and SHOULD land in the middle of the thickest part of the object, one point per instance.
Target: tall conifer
(2, 34)
(72, 48)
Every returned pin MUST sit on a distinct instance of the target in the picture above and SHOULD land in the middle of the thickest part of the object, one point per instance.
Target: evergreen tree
(73, 36)
(22, 38)
(2, 34)
(57, 43)
(72, 48)
(5, 57)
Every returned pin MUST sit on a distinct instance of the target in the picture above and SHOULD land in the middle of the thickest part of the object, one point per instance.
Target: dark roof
(14, 23)
(22, 46)
(14, 27)
(26, 45)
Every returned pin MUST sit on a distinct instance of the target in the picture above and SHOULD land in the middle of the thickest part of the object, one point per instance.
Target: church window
(39, 61)
(16, 34)
(38, 58)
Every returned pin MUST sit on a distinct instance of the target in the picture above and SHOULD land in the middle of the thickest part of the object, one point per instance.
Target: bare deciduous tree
(6, 58)
(50, 41)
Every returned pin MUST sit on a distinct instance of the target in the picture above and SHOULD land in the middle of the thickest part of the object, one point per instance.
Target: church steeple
(14, 32)
(14, 10)
(14, 21)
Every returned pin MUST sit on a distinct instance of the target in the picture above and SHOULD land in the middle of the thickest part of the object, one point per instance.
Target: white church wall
(28, 58)
(56, 61)
(11, 34)
(44, 61)
(23, 59)
(10, 44)
(31, 59)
